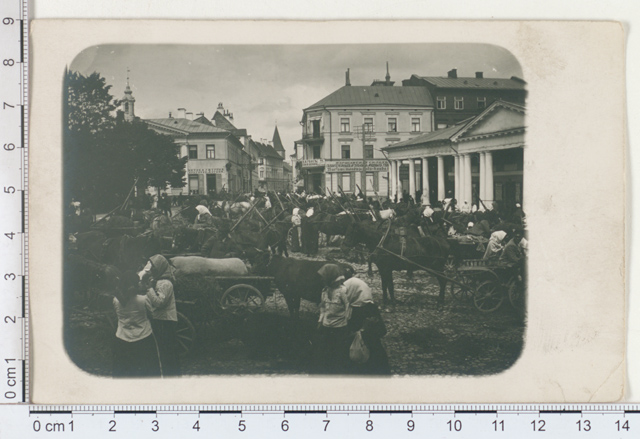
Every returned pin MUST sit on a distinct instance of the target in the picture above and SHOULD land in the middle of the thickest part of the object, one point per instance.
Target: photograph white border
(574, 161)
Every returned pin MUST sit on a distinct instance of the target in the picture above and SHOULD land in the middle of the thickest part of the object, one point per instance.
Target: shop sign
(311, 163)
(206, 171)
(356, 166)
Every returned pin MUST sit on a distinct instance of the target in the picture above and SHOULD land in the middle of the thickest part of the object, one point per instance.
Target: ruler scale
(14, 183)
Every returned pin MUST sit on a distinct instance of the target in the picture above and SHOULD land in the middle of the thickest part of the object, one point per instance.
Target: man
(512, 253)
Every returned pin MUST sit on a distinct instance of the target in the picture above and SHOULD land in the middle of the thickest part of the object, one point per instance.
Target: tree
(103, 154)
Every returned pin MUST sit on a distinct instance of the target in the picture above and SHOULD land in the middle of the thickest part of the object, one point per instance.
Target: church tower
(128, 102)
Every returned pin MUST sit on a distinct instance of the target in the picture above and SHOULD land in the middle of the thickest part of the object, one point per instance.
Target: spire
(128, 101)
(277, 142)
(388, 77)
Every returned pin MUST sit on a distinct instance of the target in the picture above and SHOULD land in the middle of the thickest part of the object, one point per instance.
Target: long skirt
(166, 335)
(135, 358)
(368, 319)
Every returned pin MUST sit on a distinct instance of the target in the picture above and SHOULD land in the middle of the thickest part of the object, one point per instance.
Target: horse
(391, 252)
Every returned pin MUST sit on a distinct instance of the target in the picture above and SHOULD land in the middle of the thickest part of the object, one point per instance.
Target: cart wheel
(463, 293)
(185, 335)
(488, 296)
(517, 294)
(290, 237)
(242, 299)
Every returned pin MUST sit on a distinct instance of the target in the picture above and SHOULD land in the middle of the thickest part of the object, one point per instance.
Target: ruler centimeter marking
(14, 184)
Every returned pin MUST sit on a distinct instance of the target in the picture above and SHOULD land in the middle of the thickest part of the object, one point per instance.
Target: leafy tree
(103, 154)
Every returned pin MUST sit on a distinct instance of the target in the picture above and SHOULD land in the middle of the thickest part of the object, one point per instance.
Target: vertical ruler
(14, 262)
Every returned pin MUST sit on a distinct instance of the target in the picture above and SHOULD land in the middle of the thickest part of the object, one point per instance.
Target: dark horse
(429, 252)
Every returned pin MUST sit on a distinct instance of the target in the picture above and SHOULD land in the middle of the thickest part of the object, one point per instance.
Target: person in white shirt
(159, 283)
(135, 351)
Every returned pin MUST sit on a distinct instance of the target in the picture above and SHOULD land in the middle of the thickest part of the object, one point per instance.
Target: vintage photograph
(349, 209)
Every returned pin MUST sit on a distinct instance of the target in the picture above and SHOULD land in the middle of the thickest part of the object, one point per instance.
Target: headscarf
(296, 211)
(161, 269)
(310, 213)
(428, 211)
(202, 209)
(498, 236)
(330, 274)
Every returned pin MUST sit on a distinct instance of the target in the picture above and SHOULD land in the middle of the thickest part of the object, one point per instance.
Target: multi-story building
(343, 133)
(457, 98)
(216, 158)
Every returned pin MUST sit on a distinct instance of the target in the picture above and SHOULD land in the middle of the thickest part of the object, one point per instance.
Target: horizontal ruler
(310, 421)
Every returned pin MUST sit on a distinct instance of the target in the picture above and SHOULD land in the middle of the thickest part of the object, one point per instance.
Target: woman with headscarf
(365, 317)
(204, 215)
(134, 351)
(332, 354)
(296, 220)
(158, 278)
(494, 247)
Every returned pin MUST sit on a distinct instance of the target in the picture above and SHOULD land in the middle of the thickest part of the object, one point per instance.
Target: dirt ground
(421, 340)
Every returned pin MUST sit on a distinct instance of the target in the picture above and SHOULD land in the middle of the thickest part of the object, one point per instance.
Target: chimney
(347, 79)
(231, 116)
(181, 112)
(220, 106)
(200, 114)
(453, 73)
(170, 115)
(479, 75)
(190, 115)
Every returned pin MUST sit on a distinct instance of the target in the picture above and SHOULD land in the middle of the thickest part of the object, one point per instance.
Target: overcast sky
(264, 84)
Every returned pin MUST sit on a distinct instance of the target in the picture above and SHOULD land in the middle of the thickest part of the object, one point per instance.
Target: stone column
(441, 191)
(398, 180)
(468, 187)
(412, 178)
(456, 177)
(425, 181)
(392, 179)
(488, 169)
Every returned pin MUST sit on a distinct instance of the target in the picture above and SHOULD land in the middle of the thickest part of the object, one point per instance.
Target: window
(368, 151)
(346, 182)
(370, 182)
(368, 124)
(458, 103)
(211, 151)
(346, 151)
(315, 124)
(193, 152)
(442, 103)
(482, 103)
(261, 161)
(345, 125)
(261, 173)
(415, 124)
(193, 184)
(393, 125)
(316, 152)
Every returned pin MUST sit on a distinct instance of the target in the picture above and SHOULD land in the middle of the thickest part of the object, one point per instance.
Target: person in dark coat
(365, 317)
(309, 234)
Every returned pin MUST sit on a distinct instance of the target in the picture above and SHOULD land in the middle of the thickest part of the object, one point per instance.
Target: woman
(159, 283)
(494, 247)
(332, 355)
(366, 317)
(204, 215)
(296, 220)
(135, 352)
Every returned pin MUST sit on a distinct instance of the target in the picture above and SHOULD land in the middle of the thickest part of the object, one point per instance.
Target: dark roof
(185, 125)
(348, 95)
(222, 122)
(484, 83)
(203, 120)
(287, 166)
(433, 136)
(277, 143)
(266, 150)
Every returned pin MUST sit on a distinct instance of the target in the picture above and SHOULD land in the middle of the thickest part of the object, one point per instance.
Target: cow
(295, 278)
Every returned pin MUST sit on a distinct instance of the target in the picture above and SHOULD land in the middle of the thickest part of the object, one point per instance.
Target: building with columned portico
(479, 160)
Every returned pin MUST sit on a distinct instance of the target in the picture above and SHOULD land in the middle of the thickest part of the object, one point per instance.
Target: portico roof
(444, 134)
